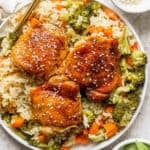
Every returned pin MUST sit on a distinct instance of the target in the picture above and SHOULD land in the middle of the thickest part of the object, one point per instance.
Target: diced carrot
(134, 46)
(94, 128)
(42, 138)
(85, 132)
(93, 29)
(129, 61)
(81, 139)
(56, 0)
(109, 109)
(33, 93)
(86, 1)
(111, 14)
(65, 148)
(107, 31)
(34, 22)
(59, 7)
(111, 129)
(17, 121)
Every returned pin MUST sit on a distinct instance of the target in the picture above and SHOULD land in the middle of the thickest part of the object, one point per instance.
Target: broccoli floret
(74, 4)
(88, 118)
(122, 89)
(138, 58)
(94, 107)
(119, 111)
(79, 19)
(97, 138)
(123, 112)
(44, 146)
(124, 66)
(116, 96)
(124, 44)
(94, 7)
(135, 78)
(8, 42)
(125, 118)
(90, 115)
(73, 37)
(91, 110)
(6, 117)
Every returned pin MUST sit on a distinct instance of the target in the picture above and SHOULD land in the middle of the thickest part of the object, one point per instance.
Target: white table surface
(141, 127)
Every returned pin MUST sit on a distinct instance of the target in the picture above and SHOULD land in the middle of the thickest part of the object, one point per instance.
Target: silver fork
(26, 16)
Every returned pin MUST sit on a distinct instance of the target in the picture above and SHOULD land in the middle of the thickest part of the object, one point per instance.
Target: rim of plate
(130, 9)
(106, 143)
(129, 141)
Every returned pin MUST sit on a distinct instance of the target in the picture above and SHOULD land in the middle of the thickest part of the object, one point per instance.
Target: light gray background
(141, 127)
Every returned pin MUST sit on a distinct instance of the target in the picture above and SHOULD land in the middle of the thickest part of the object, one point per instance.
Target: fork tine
(26, 16)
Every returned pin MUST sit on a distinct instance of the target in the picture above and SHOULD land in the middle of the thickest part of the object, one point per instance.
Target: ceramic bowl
(129, 141)
(104, 144)
(140, 7)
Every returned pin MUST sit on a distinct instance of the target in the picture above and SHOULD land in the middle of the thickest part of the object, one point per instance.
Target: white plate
(140, 7)
(126, 142)
(101, 145)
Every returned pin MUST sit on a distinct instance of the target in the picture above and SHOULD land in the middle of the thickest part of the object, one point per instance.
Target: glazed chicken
(94, 65)
(57, 103)
(39, 51)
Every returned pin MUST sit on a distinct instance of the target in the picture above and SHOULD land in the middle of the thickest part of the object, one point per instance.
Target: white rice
(102, 20)
(15, 87)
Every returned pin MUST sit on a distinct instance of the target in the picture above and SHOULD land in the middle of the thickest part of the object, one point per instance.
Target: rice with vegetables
(73, 77)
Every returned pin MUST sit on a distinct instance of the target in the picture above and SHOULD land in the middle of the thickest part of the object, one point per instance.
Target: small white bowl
(126, 142)
(139, 7)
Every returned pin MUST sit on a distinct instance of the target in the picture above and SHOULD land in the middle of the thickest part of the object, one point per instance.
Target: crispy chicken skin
(39, 51)
(94, 64)
(102, 92)
(95, 95)
(57, 103)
